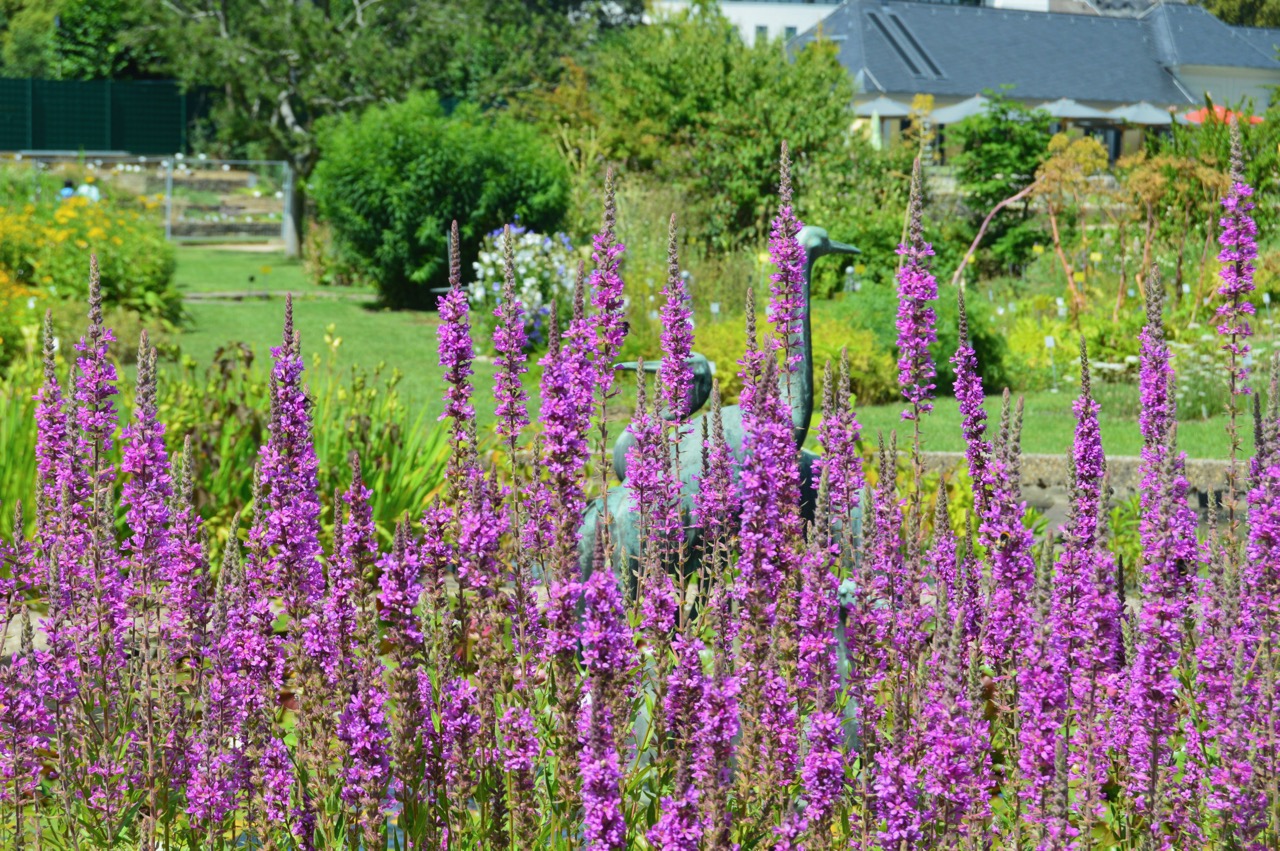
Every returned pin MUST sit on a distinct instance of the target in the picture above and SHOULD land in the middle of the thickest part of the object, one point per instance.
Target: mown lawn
(406, 340)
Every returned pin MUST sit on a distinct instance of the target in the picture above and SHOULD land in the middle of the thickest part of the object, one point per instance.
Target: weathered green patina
(623, 528)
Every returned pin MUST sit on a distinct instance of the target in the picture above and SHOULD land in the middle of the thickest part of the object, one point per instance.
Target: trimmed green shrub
(390, 182)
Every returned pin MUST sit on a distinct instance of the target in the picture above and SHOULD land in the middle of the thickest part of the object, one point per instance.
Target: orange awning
(1219, 113)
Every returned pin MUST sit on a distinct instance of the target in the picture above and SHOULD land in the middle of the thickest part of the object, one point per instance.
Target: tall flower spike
(1239, 251)
(675, 376)
(839, 434)
(716, 499)
(787, 295)
(970, 396)
(607, 290)
(917, 287)
(454, 336)
(286, 536)
(604, 826)
(53, 449)
(510, 342)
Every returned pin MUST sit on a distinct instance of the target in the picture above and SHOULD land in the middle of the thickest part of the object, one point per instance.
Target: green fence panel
(72, 115)
(15, 114)
(137, 116)
(148, 117)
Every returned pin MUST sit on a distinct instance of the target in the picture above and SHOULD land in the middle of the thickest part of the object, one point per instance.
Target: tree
(280, 67)
(685, 101)
(1000, 150)
(1245, 13)
(75, 39)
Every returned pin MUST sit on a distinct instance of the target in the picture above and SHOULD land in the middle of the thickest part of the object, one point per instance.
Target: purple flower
(675, 376)
(604, 827)
(1172, 558)
(608, 650)
(787, 295)
(655, 498)
(839, 433)
(53, 453)
(823, 771)
(970, 396)
(680, 824)
(1239, 251)
(454, 342)
(896, 786)
(716, 501)
(510, 342)
(459, 727)
(401, 584)
(285, 539)
(520, 747)
(277, 777)
(916, 288)
(362, 729)
(607, 292)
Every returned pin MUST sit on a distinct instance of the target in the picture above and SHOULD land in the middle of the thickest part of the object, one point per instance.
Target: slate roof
(900, 47)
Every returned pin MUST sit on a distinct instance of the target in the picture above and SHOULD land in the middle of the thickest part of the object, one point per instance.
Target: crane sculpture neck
(800, 382)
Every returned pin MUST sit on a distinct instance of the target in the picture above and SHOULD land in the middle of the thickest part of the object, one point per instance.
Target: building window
(762, 33)
(789, 33)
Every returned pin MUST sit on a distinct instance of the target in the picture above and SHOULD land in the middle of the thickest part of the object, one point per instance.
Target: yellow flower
(80, 243)
(115, 240)
(1037, 249)
(1095, 257)
(96, 233)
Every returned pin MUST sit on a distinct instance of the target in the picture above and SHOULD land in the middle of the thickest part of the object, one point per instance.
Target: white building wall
(777, 20)
(1019, 5)
(1229, 86)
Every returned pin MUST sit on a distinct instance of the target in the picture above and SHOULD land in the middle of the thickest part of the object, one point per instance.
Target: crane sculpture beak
(632, 366)
(843, 248)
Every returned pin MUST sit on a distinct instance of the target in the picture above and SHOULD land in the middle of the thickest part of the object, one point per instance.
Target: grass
(360, 335)
(1049, 426)
(203, 269)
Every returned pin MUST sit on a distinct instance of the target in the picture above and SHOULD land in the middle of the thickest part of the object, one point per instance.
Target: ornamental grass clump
(853, 671)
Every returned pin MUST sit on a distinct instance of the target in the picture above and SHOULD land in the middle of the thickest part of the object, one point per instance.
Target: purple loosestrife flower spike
(277, 775)
(655, 498)
(1084, 613)
(1239, 251)
(604, 826)
(680, 825)
(716, 500)
(454, 343)
(400, 580)
(608, 649)
(146, 493)
(510, 342)
(288, 533)
(675, 376)
(970, 396)
(53, 451)
(355, 555)
(916, 332)
(459, 727)
(607, 290)
(186, 584)
(520, 749)
(363, 729)
(839, 433)
(786, 290)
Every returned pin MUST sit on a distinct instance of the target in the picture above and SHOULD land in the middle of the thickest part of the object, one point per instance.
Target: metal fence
(134, 116)
(201, 199)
